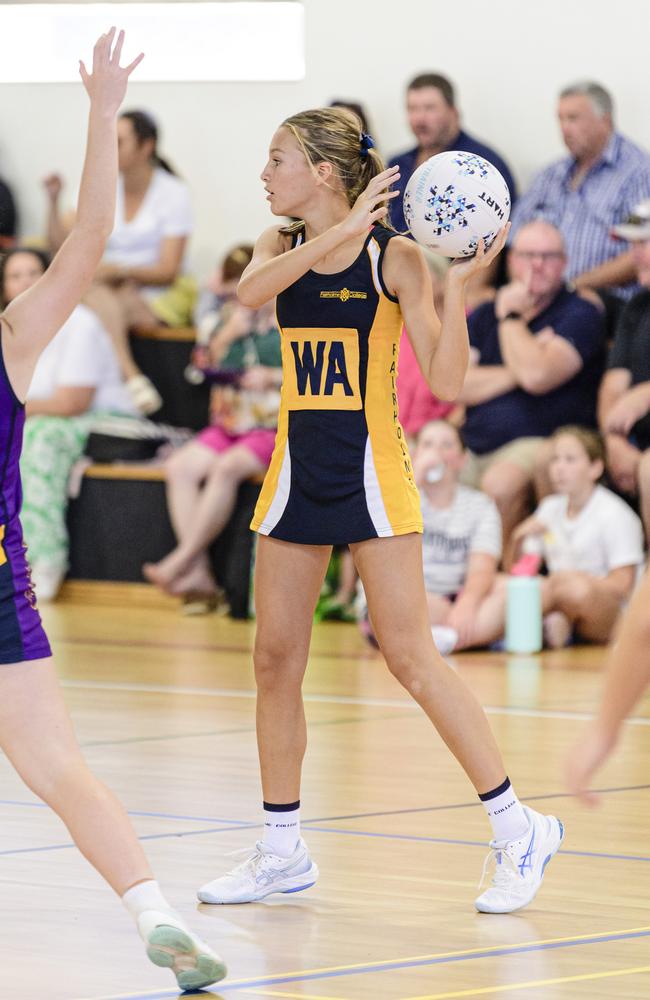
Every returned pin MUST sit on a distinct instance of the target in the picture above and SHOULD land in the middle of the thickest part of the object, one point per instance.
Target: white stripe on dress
(374, 499)
(280, 497)
(374, 252)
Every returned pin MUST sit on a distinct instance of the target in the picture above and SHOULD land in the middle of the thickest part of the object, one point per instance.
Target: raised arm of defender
(34, 317)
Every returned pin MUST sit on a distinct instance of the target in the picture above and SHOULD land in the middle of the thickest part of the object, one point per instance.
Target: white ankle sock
(281, 828)
(505, 812)
(146, 896)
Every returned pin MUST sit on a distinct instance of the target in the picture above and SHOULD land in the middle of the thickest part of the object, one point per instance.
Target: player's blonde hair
(335, 135)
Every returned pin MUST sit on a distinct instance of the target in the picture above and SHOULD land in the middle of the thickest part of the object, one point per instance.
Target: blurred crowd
(542, 464)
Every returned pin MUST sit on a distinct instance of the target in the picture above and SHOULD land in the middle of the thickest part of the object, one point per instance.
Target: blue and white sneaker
(520, 864)
(171, 945)
(262, 874)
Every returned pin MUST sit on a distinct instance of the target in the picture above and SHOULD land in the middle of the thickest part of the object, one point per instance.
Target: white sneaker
(520, 864)
(171, 945)
(262, 874)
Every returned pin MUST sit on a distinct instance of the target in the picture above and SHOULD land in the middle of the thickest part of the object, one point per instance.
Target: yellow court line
(442, 954)
(291, 996)
(528, 985)
(378, 965)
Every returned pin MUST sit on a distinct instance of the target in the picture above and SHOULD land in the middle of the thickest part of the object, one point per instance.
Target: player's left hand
(467, 267)
(584, 759)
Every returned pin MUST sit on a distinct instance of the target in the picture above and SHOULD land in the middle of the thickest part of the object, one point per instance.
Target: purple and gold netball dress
(21, 631)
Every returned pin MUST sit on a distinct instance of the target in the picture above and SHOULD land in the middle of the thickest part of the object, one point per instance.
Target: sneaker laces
(253, 857)
(506, 871)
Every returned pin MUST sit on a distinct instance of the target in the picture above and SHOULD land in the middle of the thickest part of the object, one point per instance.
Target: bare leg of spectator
(540, 475)
(588, 605)
(509, 485)
(209, 516)
(490, 621)
(347, 579)
(118, 310)
(109, 308)
(185, 473)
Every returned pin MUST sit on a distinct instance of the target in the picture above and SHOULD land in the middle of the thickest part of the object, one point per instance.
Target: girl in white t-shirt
(140, 281)
(76, 377)
(590, 540)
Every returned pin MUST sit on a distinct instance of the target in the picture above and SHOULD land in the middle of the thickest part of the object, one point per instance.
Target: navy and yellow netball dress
(340, 471)
(21, 632)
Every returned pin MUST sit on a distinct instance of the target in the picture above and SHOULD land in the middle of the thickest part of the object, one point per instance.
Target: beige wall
(507, 57)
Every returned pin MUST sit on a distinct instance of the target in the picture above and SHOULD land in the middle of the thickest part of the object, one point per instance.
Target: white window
(43, 42)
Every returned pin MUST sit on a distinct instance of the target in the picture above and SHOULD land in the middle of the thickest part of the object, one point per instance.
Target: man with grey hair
(589, 192)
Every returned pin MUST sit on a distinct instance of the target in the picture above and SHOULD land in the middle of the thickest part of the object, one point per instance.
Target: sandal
(144, 394)
(201, 602)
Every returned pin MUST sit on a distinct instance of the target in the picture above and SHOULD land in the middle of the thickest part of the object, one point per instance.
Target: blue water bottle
(524, 615)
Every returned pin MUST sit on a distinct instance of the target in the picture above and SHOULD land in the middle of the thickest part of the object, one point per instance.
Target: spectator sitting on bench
(203, 477)
(220, 291)
(76, 378)
(141, 280)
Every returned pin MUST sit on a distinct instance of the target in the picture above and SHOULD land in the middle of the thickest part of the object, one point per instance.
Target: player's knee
(403, 663)
(275, 661)
(53, 779)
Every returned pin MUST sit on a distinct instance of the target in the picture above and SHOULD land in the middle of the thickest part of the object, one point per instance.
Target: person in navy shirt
(434, 120)
(537, 356)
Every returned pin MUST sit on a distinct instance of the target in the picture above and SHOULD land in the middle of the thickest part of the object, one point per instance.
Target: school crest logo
(344, 295)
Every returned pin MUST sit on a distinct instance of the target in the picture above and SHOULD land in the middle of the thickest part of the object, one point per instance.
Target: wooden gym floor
(164, 708)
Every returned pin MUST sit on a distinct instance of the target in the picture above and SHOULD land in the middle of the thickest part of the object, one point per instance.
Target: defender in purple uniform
(35, 730)
(21, 630)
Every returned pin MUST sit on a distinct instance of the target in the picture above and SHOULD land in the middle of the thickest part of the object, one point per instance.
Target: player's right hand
(371, 205)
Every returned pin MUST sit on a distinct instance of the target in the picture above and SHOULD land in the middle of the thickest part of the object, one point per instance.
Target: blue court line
(335, 819)
(456, 842)
(147, 836)
(469, 805)
(395, 966)
(465, 843)
(140, 812)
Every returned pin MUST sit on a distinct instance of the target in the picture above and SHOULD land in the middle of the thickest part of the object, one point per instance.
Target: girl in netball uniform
(35, 730)
(341, 474)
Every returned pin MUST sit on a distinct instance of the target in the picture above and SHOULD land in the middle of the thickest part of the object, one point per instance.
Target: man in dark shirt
(624, 400)
(434, 120)
(537, 356)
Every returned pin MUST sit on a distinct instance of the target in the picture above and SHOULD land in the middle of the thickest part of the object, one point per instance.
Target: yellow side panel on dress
(389, 449)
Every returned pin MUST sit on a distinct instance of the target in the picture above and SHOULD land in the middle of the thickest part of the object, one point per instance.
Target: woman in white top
(76, 377)
(590, 540)
(145, 252)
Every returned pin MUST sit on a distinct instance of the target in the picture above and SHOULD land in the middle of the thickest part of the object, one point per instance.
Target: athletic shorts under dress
(340, 470)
